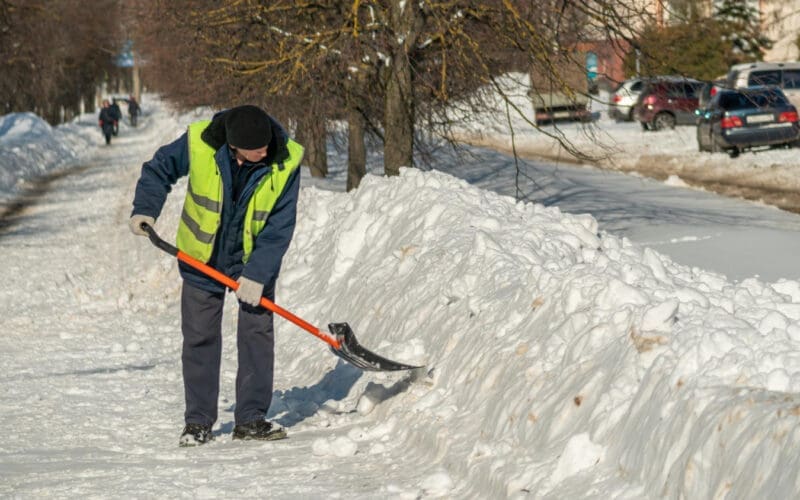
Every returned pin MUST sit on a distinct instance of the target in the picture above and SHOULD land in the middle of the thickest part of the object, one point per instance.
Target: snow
(611, 343)
(30, 146)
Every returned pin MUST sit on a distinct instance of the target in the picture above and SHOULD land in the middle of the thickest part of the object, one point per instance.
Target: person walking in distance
(238, 216)
(133, 110)
(117, 114)
(106, 120)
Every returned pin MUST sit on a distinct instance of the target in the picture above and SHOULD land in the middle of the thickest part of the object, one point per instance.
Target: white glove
(249, 291)
(135, 223)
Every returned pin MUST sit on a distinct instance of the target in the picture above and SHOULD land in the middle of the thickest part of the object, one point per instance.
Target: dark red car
(666, 102)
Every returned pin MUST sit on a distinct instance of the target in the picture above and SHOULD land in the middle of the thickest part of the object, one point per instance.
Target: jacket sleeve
(271, 244)
(170, 163)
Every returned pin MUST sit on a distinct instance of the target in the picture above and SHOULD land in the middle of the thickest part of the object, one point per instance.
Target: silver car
(624, 98)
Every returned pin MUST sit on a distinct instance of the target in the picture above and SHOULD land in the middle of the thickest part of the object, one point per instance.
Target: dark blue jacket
(171, 162)
(106, 119)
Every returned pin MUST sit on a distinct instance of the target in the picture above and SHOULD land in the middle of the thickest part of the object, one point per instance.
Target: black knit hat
(247, 127)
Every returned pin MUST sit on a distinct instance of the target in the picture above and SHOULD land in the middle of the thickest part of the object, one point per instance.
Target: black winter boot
(261, 430)
(195, 435)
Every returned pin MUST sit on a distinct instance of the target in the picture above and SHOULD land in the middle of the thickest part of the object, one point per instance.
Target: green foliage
(695, 49)
(702, 48)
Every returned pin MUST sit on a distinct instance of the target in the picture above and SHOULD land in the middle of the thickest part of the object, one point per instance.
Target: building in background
(779, 20)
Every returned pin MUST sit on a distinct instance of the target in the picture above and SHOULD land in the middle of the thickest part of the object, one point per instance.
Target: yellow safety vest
(202, 208)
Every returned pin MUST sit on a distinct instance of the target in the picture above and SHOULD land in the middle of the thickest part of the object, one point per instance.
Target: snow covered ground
(564, 357)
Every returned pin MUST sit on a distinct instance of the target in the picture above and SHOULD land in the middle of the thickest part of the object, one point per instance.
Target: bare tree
(52, 74)
(387, 67)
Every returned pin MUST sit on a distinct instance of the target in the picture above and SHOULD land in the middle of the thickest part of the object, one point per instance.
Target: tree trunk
(356, 150)
(137, 84)
(399, 105)
(312, 135)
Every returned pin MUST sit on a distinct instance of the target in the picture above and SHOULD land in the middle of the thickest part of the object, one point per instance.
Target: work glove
(135, 223)
(249, 291)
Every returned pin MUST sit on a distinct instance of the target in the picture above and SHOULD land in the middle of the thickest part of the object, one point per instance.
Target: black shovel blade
(353, 353)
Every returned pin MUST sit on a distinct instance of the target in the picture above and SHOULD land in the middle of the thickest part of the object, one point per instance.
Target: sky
(604, 337)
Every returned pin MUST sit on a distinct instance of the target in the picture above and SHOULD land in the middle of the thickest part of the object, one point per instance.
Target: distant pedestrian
(133, 110)
(117, 113)
(106, 120)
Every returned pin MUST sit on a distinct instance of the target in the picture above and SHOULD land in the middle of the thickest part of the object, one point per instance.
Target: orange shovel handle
(209, 271)
(265, 302)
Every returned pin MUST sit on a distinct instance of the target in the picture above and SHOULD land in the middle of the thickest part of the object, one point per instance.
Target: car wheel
(734, 153)
(663, 120)
(630, 115)
(645, 126)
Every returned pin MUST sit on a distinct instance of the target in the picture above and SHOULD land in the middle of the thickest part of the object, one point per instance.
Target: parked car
(785, 75)
(623, 99)
(666, 102)
(741, 119)
(709, 90)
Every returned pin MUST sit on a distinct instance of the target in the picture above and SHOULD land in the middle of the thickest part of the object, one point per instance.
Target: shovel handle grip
(209, 271)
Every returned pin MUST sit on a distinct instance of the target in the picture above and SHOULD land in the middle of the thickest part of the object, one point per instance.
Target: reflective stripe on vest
(266, 195)
(202, 208)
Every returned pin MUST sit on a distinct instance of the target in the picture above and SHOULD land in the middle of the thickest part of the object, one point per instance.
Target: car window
(732, 101)
(765, 77)
(637, 86)
(768, 98)
(676, 90)
(791, 78)
(682, 90)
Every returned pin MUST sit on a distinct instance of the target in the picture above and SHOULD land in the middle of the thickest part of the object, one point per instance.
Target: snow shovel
(341, 339)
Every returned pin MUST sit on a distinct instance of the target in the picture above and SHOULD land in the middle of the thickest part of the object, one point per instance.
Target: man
(239, 217)
(133, 110)
(117, 114)
(106, 120)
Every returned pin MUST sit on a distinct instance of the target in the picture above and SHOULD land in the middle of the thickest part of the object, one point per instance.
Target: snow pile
(29, 146)
(556, 356)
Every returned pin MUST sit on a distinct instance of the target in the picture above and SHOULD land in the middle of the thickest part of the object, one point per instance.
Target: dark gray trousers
(201, 323)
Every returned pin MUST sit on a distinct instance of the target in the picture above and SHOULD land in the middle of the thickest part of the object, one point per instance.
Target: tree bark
(356, 149)
(312, 135)
(399, 109)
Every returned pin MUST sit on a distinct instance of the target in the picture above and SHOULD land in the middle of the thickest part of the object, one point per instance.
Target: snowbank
(560, 361)
(29, 147)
